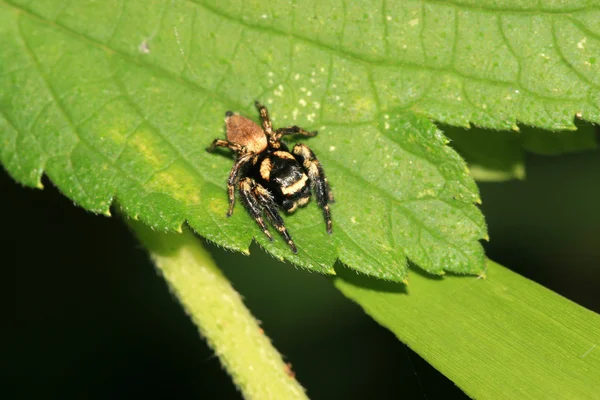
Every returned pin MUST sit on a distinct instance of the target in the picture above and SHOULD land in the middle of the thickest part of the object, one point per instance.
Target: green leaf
(122, 101)
(502, 338)
(487, 62)
(500, 155)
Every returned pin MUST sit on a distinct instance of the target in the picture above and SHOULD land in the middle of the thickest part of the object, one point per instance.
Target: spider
(268, 176)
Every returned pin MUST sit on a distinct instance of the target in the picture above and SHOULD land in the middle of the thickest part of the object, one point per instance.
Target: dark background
(86, 316)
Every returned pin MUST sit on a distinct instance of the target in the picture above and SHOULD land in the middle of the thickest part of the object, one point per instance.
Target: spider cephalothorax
(268, 175)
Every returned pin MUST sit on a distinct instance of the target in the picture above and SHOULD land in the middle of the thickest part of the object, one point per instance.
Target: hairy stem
(220, 315)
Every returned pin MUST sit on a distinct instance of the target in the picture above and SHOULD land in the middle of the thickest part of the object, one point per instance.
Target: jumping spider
(268, 176)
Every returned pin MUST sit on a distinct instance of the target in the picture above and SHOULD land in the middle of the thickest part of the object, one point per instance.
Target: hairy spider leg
(319, 183)
(254, 207)
(233, 179)
(238, 148)
(266, 200)
(293, 130)
(264, 117)
(243, 158)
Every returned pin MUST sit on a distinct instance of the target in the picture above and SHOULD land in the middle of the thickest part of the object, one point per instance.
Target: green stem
(220, 315)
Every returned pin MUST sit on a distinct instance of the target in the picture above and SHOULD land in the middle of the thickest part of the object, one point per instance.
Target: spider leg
(319, 183)
(252, 204)
(238, 148)
(293, 130)
(233, 179)
(264, 116)
(243, 158)
(268, 204)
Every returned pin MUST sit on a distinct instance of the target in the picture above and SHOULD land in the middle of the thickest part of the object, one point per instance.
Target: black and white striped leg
(233, 179)
(252, 204)
(243, 158)
(318, 181)
(266, 200)
(293, 130)
(264, 117)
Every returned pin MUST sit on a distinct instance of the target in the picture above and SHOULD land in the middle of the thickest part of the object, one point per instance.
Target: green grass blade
(504, 337)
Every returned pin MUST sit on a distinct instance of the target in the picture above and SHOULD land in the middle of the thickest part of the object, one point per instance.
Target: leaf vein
(433, 233)
(346, 54)
(565, 61)
(139, 111)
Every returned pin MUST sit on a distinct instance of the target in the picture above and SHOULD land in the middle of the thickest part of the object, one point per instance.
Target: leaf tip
(329, 270)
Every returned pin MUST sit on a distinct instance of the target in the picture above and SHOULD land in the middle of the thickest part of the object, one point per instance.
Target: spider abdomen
(284, 177)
